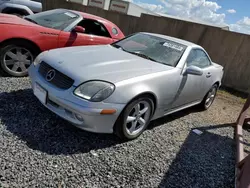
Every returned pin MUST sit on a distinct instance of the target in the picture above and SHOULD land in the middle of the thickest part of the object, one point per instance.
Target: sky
(234, 13)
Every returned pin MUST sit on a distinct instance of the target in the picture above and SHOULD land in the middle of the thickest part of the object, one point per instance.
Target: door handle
(208, 75)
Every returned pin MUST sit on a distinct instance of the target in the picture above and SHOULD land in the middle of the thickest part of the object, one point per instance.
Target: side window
(198, 58)
(93, 27)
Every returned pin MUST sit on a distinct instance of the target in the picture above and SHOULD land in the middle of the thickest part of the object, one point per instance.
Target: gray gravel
(39, 149)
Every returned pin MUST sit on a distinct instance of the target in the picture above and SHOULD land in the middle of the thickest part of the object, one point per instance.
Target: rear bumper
(70, 107)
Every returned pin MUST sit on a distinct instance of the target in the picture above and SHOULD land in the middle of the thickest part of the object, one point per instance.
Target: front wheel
(134, 119)
(209, 98)
(15, 59)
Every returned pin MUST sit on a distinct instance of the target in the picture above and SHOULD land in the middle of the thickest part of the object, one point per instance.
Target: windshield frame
(115, 45)
(66, 27)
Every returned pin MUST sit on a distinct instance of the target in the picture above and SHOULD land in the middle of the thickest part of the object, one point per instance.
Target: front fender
(124, 94)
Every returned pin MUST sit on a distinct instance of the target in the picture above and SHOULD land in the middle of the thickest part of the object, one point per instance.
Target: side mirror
(79, 29)
(194, 70)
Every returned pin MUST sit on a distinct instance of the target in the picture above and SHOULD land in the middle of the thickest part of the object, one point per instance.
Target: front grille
(60, 80)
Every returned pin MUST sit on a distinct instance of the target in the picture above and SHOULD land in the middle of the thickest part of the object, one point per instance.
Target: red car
(22, 39)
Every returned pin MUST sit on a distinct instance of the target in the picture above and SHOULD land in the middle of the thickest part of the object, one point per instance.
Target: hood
(14, 20)
(102, 62)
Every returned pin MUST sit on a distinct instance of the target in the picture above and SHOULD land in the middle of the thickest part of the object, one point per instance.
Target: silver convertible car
(121, 87)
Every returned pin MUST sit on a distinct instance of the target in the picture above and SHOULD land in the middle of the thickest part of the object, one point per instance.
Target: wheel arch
(149, 94)
(217, 83)
(21, 40)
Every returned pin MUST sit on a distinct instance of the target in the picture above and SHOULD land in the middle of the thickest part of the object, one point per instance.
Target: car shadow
(205, 160)
(24, 116)
(174, 116)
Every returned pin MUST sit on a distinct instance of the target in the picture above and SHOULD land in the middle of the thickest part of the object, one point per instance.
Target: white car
(20, 7)
(121, 87)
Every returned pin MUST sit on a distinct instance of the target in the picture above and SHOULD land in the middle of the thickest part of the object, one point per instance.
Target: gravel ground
(39, 149)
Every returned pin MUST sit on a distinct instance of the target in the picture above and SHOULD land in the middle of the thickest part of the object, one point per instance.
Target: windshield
(153, 48)
(55, 19)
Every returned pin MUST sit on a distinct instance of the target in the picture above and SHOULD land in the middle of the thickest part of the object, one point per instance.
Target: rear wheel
(209, 98)
(16, 57)
(134, 119)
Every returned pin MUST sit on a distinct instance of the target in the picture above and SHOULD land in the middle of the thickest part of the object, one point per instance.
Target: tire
(209, 98)
(16, 57)
(123, 129)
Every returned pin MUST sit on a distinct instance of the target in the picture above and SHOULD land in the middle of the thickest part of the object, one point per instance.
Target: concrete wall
(232, 50)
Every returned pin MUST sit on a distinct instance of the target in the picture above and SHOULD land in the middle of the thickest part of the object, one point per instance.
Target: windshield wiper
(136, 53)
(143, 56)
(33, 21)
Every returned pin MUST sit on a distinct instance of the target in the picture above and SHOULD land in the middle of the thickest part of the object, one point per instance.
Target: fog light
(80, 118)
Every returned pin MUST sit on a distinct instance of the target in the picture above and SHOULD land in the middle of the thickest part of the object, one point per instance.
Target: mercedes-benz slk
(121, 87)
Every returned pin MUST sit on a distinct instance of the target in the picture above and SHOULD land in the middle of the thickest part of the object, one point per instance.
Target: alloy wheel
(138, 117)
(17, 59)
(210, 97)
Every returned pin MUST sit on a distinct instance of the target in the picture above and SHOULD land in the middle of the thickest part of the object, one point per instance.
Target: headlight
(38, 59)
(95, 91)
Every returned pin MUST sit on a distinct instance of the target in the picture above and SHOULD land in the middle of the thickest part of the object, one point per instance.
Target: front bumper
(68, 106)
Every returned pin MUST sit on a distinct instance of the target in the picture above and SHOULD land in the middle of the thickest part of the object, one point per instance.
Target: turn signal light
(108, 111)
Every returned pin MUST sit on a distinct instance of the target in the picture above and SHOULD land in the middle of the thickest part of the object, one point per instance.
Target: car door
(193, 87)
(205, 64)
(72, 38)
(95, 33)
(97, 40)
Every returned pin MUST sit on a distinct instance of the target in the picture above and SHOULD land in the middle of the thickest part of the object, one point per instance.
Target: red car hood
(14, 20)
